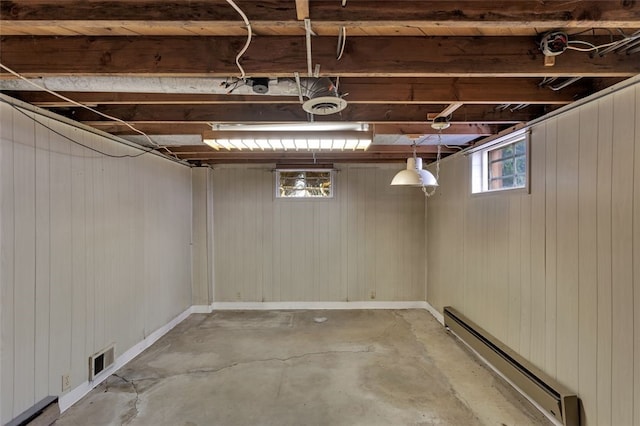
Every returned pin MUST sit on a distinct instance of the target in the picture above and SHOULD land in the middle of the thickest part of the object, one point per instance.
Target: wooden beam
(373, 149)
(376, 113)
(282, 56)
(302, 9)
(426, 129)
(433, 90)
(184, 128)
(375, 153)
(270, 28)
(449, 110)
(469, 13)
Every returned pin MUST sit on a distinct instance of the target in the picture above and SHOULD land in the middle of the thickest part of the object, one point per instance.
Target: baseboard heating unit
(559, 401)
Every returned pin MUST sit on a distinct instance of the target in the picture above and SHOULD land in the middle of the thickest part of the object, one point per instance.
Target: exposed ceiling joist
(360, 90)
(185, 128)
(463, 13)
(426, 129)
(281, 56)
(260, 113)
(446, 112)
(395, 153)
(167, 66)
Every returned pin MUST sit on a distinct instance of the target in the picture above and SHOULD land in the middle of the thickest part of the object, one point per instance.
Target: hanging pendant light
(414, 174)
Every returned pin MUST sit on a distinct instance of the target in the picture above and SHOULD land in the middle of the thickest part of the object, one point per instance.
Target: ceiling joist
(359, 90)
(260, 113)
(462, 13)
(186, 128)
(282, 56)
(394, 153)
(403, 63)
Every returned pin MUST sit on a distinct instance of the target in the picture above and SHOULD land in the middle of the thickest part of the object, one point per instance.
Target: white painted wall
(202, 248)
(367, 240)
(93, 251)
(555, 274)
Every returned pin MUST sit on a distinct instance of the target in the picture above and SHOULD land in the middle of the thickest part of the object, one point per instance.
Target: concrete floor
(366, 367)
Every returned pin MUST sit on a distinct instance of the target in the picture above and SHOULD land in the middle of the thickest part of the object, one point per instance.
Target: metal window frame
(331, 173)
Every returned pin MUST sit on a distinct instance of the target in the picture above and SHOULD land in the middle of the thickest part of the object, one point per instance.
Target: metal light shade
(414, 175)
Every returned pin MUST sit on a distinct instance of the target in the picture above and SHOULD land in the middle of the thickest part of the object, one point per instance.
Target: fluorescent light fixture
(293, 127)
(277, 140)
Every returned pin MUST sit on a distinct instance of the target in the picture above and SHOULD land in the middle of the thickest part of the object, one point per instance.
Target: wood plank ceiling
(169, 69)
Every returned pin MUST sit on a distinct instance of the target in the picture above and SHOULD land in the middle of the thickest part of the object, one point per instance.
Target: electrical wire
(20, 110)
(592, 46)
(308, 31)
(249, 36)
(593, 30)
(342, 42)
(438, 158)
(110, 117)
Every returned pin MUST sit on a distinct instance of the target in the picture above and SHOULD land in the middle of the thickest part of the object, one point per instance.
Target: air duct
(323, 97)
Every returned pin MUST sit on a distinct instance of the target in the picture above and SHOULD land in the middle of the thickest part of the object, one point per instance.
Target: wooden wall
(93, 251)
(367, 243)
(202, 247)
(555, 274)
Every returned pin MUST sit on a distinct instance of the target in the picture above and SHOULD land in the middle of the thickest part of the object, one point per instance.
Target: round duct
(324, 105)
(323, 97)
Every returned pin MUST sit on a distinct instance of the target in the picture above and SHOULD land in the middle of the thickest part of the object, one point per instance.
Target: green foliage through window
(508, 166)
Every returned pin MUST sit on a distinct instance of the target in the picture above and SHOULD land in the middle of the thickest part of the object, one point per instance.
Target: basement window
(304, 184)
(504, 165)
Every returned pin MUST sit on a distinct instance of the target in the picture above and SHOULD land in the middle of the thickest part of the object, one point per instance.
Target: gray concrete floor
(365, 367)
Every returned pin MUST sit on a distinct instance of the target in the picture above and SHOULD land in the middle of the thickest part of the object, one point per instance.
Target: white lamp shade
(414, 175)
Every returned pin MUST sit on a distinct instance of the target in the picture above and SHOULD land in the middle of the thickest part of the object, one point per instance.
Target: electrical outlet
(66, 382)
(373, 294)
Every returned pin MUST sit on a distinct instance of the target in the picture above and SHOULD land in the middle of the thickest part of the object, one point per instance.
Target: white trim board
(68, 399)
(436, 314)
(239, 306)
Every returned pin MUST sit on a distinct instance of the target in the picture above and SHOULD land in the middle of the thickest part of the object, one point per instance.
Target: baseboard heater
(559, 401)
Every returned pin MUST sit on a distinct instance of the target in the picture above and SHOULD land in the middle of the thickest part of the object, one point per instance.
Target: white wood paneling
(567, 289)
(624, 119)
(24, 256)
(200, 285)
(7, 236)
(603, 237)
(366, 243)
(42, 259)
(636, 262)
(588, 259)
(551, 259)
(91, 252)
(538, 252)
(571, 260)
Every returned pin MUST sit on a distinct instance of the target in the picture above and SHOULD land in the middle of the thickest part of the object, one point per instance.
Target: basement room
(319, 212)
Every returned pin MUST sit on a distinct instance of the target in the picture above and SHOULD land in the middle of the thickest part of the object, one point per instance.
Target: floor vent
(101, 361)
(559, 401)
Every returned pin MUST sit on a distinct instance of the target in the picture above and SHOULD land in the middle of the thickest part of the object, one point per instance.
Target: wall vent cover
(101, 360)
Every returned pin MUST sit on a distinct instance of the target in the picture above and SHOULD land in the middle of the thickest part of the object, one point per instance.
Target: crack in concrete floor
(136, 400)
(369, 368)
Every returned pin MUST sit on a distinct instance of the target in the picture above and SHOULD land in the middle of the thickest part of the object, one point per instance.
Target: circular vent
(324, 105)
